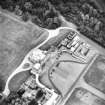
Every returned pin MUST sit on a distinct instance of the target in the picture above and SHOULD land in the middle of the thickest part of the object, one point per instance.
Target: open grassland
(16, 40)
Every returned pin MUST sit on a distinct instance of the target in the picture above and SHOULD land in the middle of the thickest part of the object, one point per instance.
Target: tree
(33, 102)
(25, 17)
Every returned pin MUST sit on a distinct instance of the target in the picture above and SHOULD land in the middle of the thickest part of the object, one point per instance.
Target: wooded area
(89, 18)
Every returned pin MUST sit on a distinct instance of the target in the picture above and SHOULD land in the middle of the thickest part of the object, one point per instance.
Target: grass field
(16, 40)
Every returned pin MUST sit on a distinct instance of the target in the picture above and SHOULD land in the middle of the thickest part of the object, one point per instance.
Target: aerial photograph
(52, 52)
